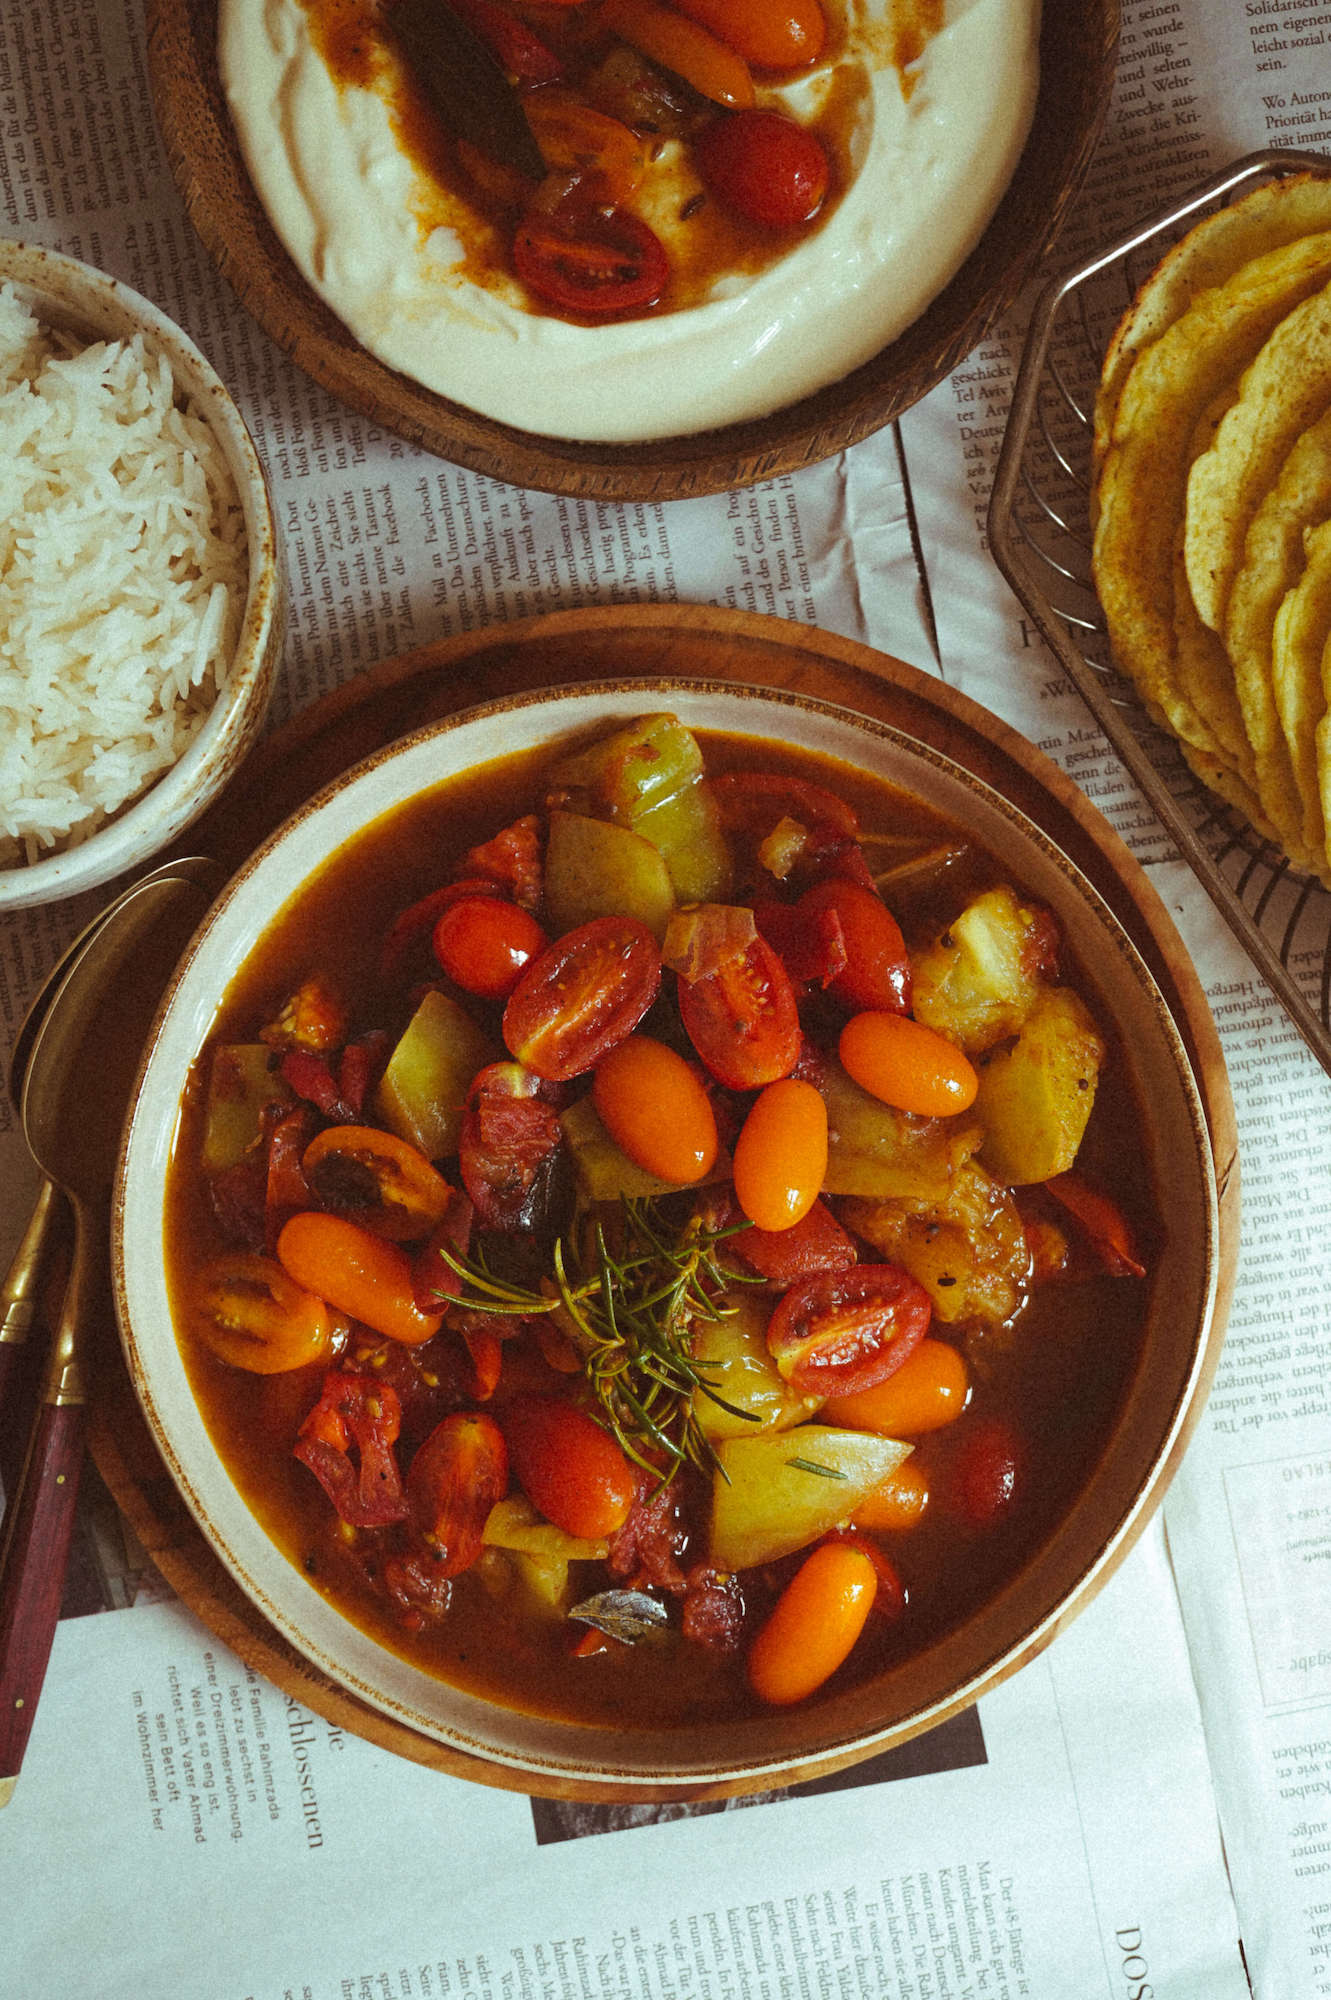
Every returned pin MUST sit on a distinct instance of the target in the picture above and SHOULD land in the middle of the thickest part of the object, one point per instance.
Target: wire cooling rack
(1039, 532)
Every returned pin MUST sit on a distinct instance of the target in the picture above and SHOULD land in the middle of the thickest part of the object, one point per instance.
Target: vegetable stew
(657, 1229)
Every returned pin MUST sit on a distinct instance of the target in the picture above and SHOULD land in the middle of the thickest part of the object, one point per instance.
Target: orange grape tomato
(251, 1314)
(928, 1391)
(818, 1617)
(357, 1273)
(656, 1110)
(376, 1179)
(907, 1065)
(781, 1154)
(576, 138)
(774, 34)
(899, 1502)
(571, 1470)
(484, 944)
(669, 38)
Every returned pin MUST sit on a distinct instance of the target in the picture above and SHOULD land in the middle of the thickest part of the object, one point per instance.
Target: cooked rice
(122, 578)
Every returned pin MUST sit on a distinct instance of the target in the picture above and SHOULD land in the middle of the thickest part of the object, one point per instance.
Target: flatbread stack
(1211, 507)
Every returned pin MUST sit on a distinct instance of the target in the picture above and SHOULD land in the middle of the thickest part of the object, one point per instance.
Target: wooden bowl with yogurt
(1077, 48)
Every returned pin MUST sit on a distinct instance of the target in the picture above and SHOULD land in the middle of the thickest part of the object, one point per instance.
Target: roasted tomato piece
(249, 1313)
(877, 969)
(510, 1138)
(752, 802)
(522, 53)
(454, 1480)
(347, 1442)
(432, 1276)
(1103, 1222)
(376, 1179)
(512, 861)
(764, 167)
(313, 1017)
(571, 1470)
(841, 1331)
(743, 1019)
(577, 139)
(785, 1256)
(587, 992)
(589, 261)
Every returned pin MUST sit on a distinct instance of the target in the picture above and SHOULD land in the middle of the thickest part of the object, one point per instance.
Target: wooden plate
(1079, 41)
(643, 642)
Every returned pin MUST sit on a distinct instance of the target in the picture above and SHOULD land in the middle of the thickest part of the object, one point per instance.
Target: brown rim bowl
(1159, 1406)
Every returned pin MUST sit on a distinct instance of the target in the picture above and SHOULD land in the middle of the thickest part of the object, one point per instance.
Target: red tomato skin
(743, 1019)
(785, 1256)
(987, 1472)
(765, 167)
(485, 944)
(456, 1477)
(877, 969)
(571, 1470)
(840, 1332)
(656, 1110)
(586, 992)
(589, 262)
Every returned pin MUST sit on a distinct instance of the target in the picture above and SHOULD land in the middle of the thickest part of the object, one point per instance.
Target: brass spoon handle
(40, 1520)
(18, 1311)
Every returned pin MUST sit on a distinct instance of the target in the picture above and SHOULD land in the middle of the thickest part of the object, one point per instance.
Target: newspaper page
(229, 1844)
(1074, 1852)
(1249, 1516)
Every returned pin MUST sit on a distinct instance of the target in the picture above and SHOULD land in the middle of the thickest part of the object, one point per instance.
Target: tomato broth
(1046, 1353)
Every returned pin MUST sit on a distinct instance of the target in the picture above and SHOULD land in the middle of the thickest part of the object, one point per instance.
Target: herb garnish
(630, 1307)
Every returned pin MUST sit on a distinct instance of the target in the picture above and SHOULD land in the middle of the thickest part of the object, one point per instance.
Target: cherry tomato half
(581, 996)
(376, 1179)
(877, 968)
(484, 944)
(590, 261)
(742, 1019)
(666, 36)
(841, 1331)
(574, 138)
(775, 34)
(253, 1316)
(656, 1110)
(764, 167)
(781, 1154)
(903, 1063)
(571, 1470)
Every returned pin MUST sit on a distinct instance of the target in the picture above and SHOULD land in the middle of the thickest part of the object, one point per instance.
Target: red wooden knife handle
(36, 1549)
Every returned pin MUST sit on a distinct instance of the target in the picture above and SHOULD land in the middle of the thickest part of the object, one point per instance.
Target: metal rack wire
(1039, 533)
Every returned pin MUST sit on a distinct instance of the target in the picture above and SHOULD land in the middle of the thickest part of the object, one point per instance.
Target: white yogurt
(931, 168)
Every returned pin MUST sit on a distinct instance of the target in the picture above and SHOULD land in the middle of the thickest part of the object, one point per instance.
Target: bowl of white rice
(141, 607)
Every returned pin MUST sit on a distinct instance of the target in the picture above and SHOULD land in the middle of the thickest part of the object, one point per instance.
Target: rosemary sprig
(632, 1305)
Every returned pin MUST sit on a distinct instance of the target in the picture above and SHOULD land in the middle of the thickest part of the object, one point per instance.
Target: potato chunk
(968, 1250)
(979, 979)
(768, 1501)
(732, 1354)
(1035, 1098)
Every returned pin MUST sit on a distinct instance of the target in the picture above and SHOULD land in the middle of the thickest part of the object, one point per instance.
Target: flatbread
(1286, 389)
(1143, 479)
(1209, 255)
(1273, 560)
(1302, 630)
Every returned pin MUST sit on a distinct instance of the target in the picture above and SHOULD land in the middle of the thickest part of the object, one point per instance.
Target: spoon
(80, 1065)
(20, 1290)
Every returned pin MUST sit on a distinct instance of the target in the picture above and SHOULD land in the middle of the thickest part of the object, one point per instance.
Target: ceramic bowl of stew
(934, 1397)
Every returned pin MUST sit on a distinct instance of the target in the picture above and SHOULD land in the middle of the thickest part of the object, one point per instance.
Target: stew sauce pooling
(650, 1239)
